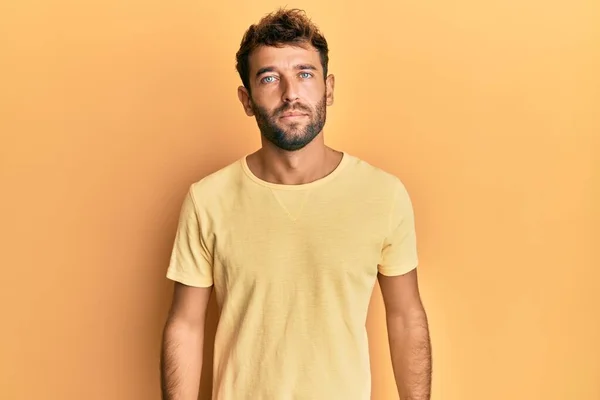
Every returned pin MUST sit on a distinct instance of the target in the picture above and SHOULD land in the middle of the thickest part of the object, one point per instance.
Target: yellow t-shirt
(293, 269)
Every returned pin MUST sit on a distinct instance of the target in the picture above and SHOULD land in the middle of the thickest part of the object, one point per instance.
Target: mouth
(293, 115)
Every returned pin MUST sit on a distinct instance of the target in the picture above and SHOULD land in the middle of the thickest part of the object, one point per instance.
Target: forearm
(410, 349)
(181, 360)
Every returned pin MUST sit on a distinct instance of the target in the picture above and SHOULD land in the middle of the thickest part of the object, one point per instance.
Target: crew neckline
(281, 186)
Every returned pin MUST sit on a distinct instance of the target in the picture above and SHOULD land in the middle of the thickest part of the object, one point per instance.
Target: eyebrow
(297, 67)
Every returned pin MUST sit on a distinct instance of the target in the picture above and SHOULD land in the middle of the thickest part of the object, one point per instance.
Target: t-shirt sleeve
(191, 260)
(399, 251)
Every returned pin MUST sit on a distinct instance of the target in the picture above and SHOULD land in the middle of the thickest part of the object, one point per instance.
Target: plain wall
(488, 111)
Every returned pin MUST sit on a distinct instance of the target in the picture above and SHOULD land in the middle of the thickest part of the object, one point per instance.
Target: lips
(292, 114)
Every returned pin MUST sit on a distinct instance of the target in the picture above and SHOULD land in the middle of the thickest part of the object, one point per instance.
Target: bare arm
(183, 343)
(408, 334)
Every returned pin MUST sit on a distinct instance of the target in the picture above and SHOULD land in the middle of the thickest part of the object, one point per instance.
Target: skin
(290, 79)
(408, 335)
(283, 79)
(183, 343)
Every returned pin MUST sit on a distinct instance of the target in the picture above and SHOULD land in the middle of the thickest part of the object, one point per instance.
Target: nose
(290, 90)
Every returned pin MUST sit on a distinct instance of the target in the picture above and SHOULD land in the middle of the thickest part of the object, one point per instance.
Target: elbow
(410, 319)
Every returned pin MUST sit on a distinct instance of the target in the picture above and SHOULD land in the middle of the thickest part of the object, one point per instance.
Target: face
(289, 95)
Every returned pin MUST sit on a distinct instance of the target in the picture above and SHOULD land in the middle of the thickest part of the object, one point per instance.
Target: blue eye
(267, 77)
(305, 74)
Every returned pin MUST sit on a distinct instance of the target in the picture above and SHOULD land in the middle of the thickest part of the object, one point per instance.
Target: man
(292, 239)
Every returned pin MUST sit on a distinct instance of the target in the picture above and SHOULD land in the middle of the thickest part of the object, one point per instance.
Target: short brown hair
(279, 28)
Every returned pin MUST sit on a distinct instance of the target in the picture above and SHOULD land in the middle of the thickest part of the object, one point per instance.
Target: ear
(244, 97)
(329, 86)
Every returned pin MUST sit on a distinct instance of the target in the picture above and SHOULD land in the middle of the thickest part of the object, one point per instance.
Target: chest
(269, 246)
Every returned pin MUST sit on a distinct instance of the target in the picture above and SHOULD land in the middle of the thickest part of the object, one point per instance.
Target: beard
(294, 136)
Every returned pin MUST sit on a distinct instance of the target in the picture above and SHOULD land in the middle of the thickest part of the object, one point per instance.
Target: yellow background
(488, 111)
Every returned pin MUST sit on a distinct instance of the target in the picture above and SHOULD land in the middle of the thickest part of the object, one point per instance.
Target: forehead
(283, 57)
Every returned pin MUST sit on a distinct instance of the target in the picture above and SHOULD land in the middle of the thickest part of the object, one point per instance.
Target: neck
(306, 165)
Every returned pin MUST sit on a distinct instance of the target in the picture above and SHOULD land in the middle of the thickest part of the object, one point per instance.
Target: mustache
(297, 107)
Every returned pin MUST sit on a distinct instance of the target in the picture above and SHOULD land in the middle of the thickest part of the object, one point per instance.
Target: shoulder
(373, 177)
(213, 188)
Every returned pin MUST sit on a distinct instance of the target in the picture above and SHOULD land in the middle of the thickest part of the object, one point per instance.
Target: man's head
(282, 62)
